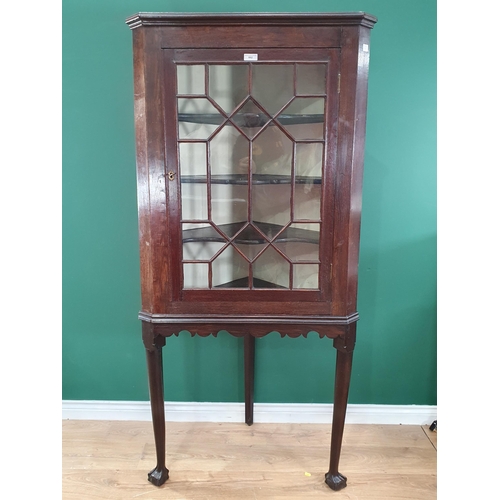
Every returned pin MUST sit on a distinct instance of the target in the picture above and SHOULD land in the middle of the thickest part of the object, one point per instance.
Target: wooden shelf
(249, 236)
(242, 179)
(250, 120)
(256, 283)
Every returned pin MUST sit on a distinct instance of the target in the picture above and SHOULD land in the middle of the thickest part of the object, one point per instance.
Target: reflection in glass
(272, 152)
(250, 242)
(228, 85)
(190, 79)
(307, 201)
(197, 118)
(251, 118)
(272, 155)
(271, 203)
(194, 204)
(308, 166)
(200, 241)
(274, 239)
(272, 268)
(200, 250)
(309, 159)
(228, 269)
(311, 78)
(227, 150)
(193, 159)
(195, 275)
(299, 242)
(304, 117)
(250, 251)
(270, 231)
(229, 205)
(272, 85)
(306, 276)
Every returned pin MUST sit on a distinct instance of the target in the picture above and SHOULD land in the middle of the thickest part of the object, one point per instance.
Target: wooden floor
(110, 460)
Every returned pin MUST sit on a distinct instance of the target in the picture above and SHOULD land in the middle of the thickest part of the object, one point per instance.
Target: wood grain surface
(111, 459)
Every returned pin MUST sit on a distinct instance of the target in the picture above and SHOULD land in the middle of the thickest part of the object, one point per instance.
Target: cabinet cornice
(251, 18)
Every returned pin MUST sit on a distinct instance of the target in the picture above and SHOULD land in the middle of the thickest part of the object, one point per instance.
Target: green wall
(103, 356)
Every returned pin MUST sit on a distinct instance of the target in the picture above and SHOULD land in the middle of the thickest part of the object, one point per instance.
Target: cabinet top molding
(251, 18)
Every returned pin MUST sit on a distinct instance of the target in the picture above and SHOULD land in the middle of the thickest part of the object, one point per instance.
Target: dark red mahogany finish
(338, 41)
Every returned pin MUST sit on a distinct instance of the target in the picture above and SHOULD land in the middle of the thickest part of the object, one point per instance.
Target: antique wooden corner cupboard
(250, 136)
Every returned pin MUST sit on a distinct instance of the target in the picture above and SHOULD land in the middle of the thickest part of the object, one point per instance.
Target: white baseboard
(263, 412)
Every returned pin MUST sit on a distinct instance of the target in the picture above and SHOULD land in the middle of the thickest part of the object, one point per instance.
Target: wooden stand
(344, 344)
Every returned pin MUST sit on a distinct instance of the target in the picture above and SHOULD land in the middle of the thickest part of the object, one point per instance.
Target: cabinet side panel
(329, 172)
(142, 170)
(151, 168)
(363, 51)
(155, 108)
(352, 120)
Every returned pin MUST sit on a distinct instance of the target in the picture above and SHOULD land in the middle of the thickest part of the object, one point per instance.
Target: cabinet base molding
(263, 412)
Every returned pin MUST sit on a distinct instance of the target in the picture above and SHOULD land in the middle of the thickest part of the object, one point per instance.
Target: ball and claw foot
(335, 481)
(158, 476)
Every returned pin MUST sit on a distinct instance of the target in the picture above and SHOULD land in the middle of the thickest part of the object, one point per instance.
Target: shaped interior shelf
(256, 283)
(250, 119)
(242, 179)
(248, 236)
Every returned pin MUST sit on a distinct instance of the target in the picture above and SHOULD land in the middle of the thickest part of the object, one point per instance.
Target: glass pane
(197, 118)
(195, 275)
(307, 202)
(306, 276)
(250, 251)
(190, 79)
(250, 242)
(299, 242)
(230, 270)
(309, 160)
(193, 161)
(272, 153)
(200, 250)
(304, 117)
(271, 204)
(272, 85)
(261, 234)
(194, 203)
(311, 78)
(229, 161)
(251, 118)
(229, 152)
(228, 85)
(229, 206)
(271, 270)
(271, 159)
(307, 199)
(269, 230)
(308, 167)
(200, 241)
(302, 233)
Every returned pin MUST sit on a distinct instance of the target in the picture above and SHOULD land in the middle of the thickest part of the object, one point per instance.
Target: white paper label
(250, 57)
(365, 47)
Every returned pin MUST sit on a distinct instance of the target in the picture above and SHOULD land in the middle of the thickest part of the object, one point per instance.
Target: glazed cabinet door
(250, 148)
